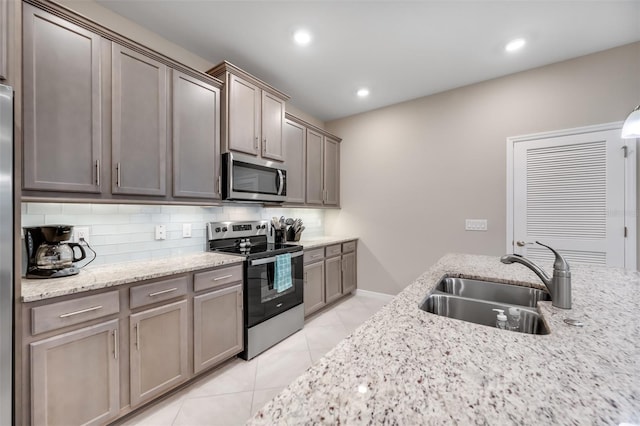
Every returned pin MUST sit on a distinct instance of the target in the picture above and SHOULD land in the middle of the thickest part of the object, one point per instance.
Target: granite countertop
(406, 366)
(97, 277)
(314, 242)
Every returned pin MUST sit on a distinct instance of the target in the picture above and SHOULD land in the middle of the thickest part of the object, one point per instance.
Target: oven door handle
(272, 259)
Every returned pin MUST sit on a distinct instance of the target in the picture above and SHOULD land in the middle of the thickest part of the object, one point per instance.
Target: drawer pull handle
(223, 277)
(158, 293)
(83, 311)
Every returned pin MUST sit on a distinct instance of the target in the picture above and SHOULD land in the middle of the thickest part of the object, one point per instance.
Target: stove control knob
(224, 229)
(217, 229)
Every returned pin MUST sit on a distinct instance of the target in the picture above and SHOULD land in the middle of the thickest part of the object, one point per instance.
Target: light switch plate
(475, 225)
(186, 230)
(161, 232)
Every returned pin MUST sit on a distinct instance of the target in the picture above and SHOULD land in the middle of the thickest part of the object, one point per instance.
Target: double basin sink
(474, 300)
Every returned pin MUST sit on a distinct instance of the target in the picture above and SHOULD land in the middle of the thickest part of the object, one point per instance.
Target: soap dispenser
(514, 319)
(501, 319)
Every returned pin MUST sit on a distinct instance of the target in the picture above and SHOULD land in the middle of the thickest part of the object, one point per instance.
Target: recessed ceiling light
(363, 92)
(302, 37)
(514, 45)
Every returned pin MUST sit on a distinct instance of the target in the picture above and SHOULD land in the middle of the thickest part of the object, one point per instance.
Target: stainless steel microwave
(247, 178)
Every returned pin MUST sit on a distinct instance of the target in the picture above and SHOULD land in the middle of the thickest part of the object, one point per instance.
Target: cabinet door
(313, 287)
(349, 275)
(331, 175)
(295, 136)
(217, 327)
(4, 38)
(75, 377)
(62, 104)
(272, 126)
(157, 350)
(139, 116)
(333, 280)
(196, 129)
(314, 183)
(243, 119)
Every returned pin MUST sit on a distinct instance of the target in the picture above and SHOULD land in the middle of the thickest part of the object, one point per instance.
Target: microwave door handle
(280, 182)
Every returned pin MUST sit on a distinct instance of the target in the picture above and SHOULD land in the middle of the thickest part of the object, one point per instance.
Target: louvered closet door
(569, 194)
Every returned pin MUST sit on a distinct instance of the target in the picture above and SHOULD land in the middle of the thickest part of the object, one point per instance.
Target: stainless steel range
(273, 282)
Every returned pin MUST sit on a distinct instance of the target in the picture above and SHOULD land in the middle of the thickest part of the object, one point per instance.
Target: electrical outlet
(475, 225)
(161, 232)
(186, 230)
(81, 232)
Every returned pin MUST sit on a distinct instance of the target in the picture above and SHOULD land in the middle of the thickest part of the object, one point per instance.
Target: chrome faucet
(559, 285)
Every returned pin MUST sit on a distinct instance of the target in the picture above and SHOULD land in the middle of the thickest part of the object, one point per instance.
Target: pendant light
(631, 127)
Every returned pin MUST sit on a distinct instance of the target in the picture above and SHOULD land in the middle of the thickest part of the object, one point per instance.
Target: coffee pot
(48, 253)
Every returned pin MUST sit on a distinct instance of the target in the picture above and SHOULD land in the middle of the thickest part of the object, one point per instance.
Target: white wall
(413, 172)
(126, 232)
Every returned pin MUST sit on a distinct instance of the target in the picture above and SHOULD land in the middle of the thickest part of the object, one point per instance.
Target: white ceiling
(400, 50)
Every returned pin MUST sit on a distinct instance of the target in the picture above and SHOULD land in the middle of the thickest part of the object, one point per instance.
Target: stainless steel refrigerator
(6, 254)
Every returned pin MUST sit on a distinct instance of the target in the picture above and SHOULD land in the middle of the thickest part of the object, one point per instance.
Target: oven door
(253, 179)
(262, 301)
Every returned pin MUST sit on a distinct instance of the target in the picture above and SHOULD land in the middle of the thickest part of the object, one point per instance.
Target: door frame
(630, 184)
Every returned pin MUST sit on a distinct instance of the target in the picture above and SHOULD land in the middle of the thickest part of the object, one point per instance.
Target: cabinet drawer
(349, 247)
(216, 278)
(313, 255)
(333, 250)
(159, 291)
(63, 314)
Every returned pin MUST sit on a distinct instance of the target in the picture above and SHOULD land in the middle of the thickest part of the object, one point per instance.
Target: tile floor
(231, 394)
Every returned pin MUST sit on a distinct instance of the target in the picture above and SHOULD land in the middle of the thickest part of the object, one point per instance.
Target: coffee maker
(48, 253)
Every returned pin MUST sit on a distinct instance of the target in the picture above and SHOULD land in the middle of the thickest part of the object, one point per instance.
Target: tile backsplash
(126, 232)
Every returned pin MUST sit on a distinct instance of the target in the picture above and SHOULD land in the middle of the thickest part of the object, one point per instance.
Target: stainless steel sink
(480, 312)
(496, 292)
(474, 300)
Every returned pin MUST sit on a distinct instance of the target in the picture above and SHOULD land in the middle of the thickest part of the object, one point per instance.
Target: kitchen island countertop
(406, 366)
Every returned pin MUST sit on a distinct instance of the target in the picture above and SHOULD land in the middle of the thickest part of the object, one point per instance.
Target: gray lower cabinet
(217, 326)
(333, 280)
(139, 129)
(62, 104)
(196, 141)
(314, 279)
(157, 350)
(74, 377)
(349, 276)
(295, 154)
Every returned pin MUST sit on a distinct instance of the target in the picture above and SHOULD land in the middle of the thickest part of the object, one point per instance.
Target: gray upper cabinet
(139, 116)
(243, 116)
(314, 183)
(4, 38)
(252, 114)
(62, 104)
(331, 172)
(312, 158)
(272, 126)
(295, 137)
(196, 141)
